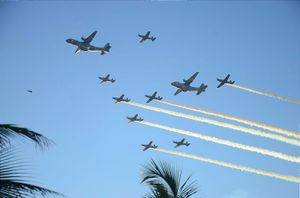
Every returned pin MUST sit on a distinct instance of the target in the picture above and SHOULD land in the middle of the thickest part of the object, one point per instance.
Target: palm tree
(12, 182)
(164, 181)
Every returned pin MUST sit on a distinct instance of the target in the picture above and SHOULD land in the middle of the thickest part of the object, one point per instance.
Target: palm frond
(164, 178)
(158, 191)
(188, 190)
(12, 182)
(8, 131)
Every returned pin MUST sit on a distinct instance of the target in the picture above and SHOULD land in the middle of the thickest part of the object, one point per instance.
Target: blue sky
(97, 154)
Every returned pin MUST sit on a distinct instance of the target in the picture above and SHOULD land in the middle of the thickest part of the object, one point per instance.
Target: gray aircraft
(134, 119)
(85, 45)
(146, 36)
(149, 145)
(153, 97)
(224, 81)
(29, 91)
(186, 85)
(120, 99)
(181, 143)
(106, 79)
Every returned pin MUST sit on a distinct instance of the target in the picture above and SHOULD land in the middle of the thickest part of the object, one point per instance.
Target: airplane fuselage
(81, 45)
(183, 87)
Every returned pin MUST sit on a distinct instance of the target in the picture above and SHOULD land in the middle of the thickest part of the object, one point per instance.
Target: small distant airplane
(153, 97)
(146, 36)
(30, 91)
(134, 119)
(225, 81)
(85, 45)
(181, 143)
(186, 85)
(121, 99)
(149, 145)
(106, 79)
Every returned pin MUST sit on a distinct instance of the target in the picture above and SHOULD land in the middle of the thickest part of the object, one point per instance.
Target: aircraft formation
(186, 86)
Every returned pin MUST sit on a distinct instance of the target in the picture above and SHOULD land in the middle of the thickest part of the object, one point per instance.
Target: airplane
(120, 99)
(146, 36)
(30, 91)
(153, 96)
(106, 79)
(85, 45)
(134, 119)
(225, 81)
(186, 85)
(149, 145)
(180, 143)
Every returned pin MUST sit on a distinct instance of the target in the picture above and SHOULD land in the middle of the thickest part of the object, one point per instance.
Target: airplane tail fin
(153, 38)
(188, 144)
(113, 80)
(107, 47)
(201, 88)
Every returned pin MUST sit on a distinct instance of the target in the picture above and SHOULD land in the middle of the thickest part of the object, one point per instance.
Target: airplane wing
(142, 40)
(147, 34)
(191, 79)
(227, 77)
(145, 148)
(177, 92)
(221, 84)
(91, 37)
(150, 99)
(176, 145)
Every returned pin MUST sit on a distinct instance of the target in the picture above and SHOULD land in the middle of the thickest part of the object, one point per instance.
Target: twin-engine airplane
(153, 97)
(225, 81)
(149, 145)
(120, 99)
(146, 36)
(181, 143)
(85, 45)
(186, 85)
(106, 79)
(134, 119)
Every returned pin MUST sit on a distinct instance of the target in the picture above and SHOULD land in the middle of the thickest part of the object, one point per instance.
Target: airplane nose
(68, 40)
(173, 83)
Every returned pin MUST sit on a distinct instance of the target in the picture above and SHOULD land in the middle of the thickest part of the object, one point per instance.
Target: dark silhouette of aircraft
(146, 36)
(121, 99)
(106, 79)
(149, 145)
(153, 97)
(30, 91)
(181, 143)
(225, 81)
(186, 85)
(134, 119)
(85, 45)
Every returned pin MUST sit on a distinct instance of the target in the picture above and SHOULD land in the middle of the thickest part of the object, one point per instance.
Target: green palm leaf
(8, 131)
(164, 181)
(12, 182)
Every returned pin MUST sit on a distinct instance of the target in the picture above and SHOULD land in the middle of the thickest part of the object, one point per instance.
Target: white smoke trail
(244, 121)
(227, 143)
(222, 124)
(265, 93)
(233, 166)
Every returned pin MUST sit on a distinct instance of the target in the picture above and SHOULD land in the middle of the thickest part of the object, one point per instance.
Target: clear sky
(97, 154)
